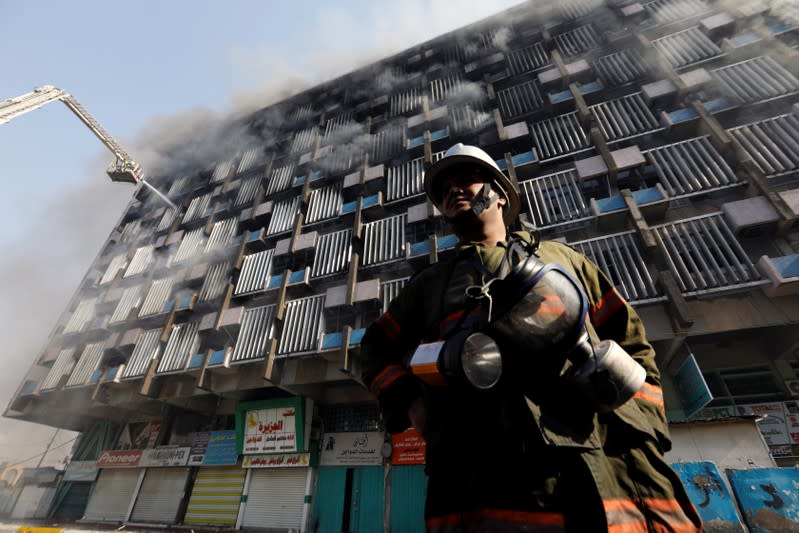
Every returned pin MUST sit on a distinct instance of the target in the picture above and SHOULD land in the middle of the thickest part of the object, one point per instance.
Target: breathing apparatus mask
(536, 320)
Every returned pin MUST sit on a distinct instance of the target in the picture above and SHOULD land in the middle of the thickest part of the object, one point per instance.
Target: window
(384, 240)
(704, 255)
(183, 343)
(558, 136)
(303, 325)
(405, 180)
(690, 167)
(332, 253)
(619, 257)
(254, 334)
(346, 418)
(555, 199)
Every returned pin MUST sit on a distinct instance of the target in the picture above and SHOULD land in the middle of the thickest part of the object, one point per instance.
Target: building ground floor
(361, 483)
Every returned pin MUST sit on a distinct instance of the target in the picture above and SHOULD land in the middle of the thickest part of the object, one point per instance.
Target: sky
(150, 72)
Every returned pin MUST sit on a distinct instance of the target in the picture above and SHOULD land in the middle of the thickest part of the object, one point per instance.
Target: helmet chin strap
(481, 201)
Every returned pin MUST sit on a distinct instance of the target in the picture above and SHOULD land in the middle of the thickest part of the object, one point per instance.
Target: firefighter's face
(458, 189)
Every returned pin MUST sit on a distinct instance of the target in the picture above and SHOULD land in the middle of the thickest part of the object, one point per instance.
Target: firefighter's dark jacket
(434, 301)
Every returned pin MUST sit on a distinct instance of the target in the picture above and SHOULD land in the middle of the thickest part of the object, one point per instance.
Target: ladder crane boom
(105, 138)
(124, 169)
(14, 107)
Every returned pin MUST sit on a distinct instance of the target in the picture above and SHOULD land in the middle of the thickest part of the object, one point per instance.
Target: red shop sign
(407, 448)
(119, 459)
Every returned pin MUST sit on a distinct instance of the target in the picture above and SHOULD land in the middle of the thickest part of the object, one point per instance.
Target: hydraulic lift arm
(123, 169)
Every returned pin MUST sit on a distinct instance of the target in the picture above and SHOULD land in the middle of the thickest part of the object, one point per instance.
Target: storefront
(273, 436)
(163, 486)
(79, 477)
(116, 486)
(349, 493)
(408, 482)
(37, 489)
(139, 486)
(33, 502)
(216, 494)
(276, 490)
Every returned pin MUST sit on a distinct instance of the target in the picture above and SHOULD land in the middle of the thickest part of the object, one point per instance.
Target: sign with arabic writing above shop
(360, 448)
(407, 448)
(277, 460)
(271, 430)
(155, 457)
(273, 426)
(214, 448)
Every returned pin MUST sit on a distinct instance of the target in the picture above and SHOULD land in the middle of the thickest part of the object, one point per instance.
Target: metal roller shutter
(216, 496)
(275, 498)
(329, 498)
(33, 502)
(408, 489)
(160, 495)
(112, 494)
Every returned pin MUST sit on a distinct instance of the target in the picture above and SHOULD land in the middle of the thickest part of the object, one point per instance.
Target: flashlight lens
(481, 361)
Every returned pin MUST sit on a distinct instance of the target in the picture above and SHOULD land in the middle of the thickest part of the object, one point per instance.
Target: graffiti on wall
(705, 486)
(768, 498)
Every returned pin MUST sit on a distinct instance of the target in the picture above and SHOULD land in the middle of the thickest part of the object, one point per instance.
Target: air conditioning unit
(793, 386)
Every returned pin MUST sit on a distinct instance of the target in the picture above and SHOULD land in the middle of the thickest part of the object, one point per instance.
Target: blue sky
(145, 69)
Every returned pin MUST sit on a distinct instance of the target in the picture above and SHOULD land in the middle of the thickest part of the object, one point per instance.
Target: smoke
(38, 276)
(41, 270)
(189, 140)
(501, 39)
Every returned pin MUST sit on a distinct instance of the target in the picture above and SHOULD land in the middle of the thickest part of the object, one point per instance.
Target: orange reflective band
(428, 372)
(662, 504)
(619, 504)
(505, 515)
(671, 516)
(389, 375)
(611, 302)
(666, 516)
(624, 516)
(389, 325)
(652, 394)
(629, 527)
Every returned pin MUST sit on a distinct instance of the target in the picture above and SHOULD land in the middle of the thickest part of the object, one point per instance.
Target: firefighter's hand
(417, 413)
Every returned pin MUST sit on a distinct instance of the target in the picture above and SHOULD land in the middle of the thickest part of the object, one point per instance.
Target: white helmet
(472, 155)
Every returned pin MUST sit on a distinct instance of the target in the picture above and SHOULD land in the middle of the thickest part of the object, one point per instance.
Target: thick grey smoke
(40, 272)
(38, 276)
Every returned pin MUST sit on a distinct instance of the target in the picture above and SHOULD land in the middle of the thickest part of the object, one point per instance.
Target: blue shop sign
(694, 392)
(214, 448)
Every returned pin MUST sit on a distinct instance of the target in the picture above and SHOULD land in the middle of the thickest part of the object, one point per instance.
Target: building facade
(214, 348)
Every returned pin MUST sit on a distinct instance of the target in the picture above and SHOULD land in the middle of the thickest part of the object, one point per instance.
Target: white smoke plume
(41, 270)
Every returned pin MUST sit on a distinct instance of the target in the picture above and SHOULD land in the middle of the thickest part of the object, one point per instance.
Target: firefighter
(537, 455)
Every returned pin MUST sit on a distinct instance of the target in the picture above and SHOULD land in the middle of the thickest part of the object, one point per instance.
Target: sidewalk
(42, 526)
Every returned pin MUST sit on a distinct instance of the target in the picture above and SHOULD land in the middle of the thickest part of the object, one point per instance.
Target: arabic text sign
(792, 420)
(165, 457)
(361, 448)
(270, 430)
(772, 425)
(119, 459)
(407, 448)
(216, 448)
(277, 460)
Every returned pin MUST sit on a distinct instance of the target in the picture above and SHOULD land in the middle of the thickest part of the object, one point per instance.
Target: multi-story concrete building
(660, 138)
